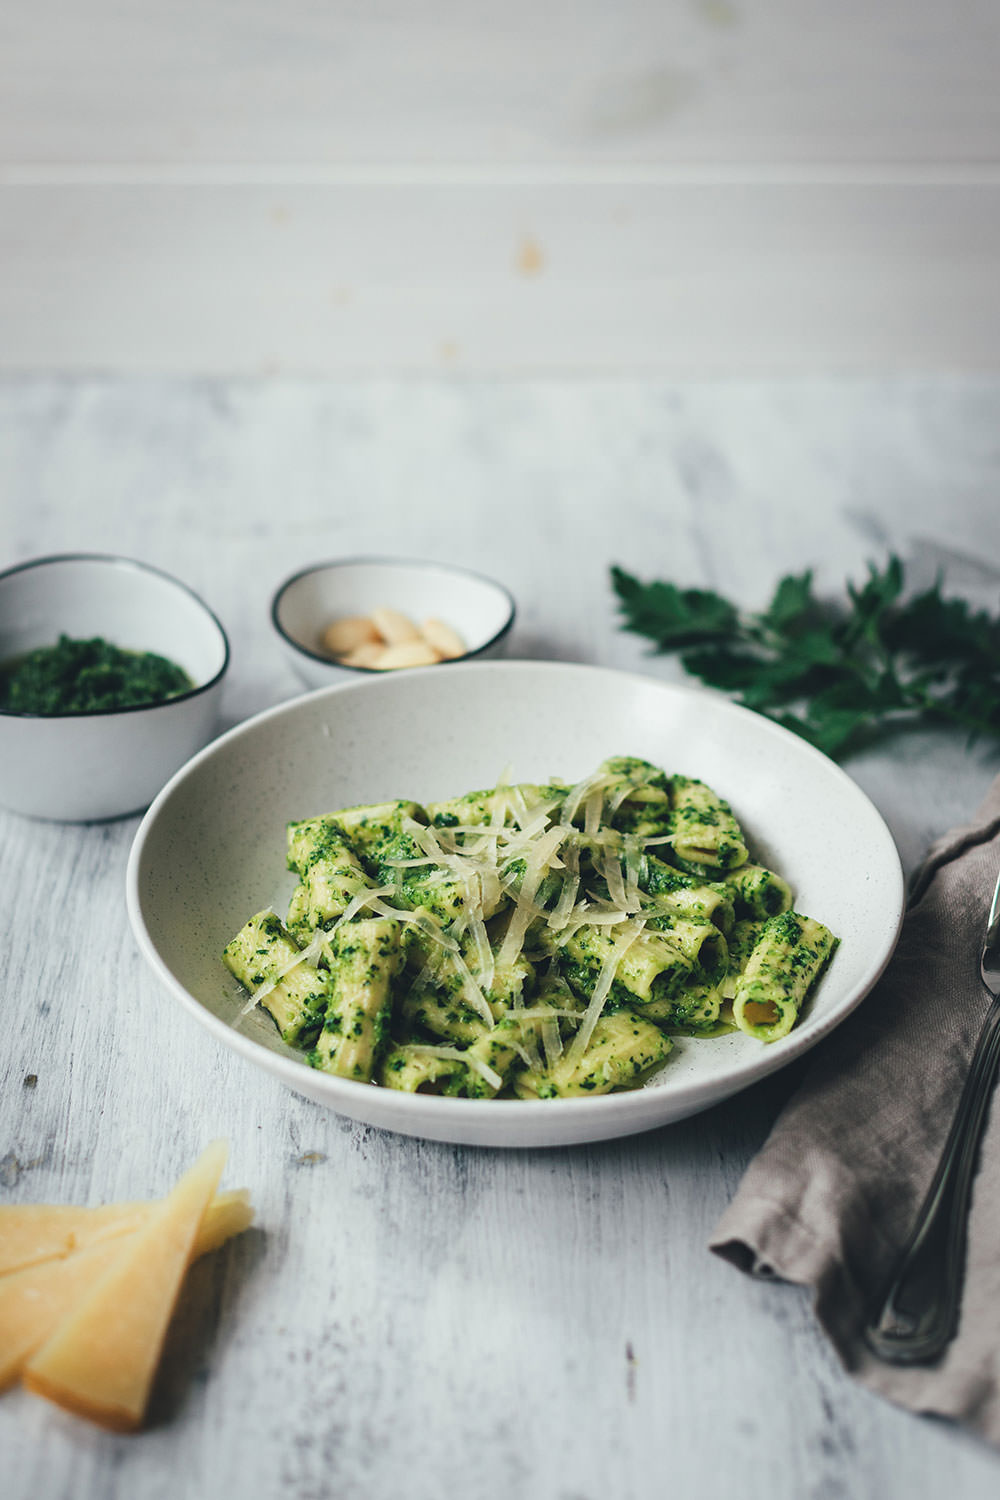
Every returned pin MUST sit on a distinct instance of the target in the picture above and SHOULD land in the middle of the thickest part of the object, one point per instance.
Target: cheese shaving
(633, 895)
(611, 869)
(320, 945)
(263, 990)
(488, 1074)
(599, 916)
(525, 1056)
(491, 890)
(529, 1050)
(368, 897)
(593, 808)
(560, 913)
(518, 806)
(519, 841)
(317, 948)
(602, 988)
(551, 1041)
(471, 990)
(622, 795)
(419, 919)
(484, 830)
(426, 839)
(578, 794)
(541, 1012)
(476, 870)
(525, 910)
(485, 960)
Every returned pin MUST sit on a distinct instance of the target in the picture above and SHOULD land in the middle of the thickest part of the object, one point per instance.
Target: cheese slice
(34, 1300)
(34, 1232)
(100, 1360)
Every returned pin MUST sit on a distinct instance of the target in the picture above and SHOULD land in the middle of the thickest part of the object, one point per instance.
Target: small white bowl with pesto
(515, 903)
(111, 673)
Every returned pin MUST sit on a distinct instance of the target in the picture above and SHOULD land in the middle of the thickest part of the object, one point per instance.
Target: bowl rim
(119, 560)
(404, 562)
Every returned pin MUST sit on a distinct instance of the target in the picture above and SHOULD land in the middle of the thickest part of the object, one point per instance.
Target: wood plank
(656, 278)
(711, 81)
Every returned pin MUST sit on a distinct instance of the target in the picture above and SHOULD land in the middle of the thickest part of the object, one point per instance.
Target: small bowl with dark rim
(105, 763)
(477, 608)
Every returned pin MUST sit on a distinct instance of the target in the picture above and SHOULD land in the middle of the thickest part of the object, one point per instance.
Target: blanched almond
(446, 642)
(394, 627)
(366, 655)
(348, 633)
(407, 654)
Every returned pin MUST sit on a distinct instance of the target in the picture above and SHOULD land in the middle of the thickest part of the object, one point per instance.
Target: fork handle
(917, 1313)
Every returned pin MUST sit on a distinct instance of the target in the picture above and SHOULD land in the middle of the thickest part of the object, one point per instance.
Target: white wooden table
(414, 1319)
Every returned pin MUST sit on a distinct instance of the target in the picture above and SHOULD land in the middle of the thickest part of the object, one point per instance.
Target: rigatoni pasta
(528, 940)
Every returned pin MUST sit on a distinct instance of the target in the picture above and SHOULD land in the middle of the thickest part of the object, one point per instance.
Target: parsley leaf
(674, 617)
(840, 676)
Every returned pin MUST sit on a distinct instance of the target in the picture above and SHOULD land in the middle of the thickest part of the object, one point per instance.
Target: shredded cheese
(368, 897)
(319, 945)
(602, 988)
(471, 990)
(551, 1041)
(485, 959)
(457, 1055)
(560, 913)
(525, 862)
(611, 869)
(592, 810)
(421, 920)
(536, 868)
(578, 794)
(525, 1056)
(518, 806)
(633, 895)
(622, 795)
(263, 990)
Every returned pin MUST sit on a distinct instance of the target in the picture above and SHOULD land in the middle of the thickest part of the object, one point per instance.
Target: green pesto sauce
(86, 677)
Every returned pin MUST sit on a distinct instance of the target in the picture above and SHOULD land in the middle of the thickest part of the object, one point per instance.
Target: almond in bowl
(387, 639)
(373, 615)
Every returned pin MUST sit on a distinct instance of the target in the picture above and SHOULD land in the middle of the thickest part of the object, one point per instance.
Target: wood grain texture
(468, 277)
(464, 279)
(707, 186)
(457, 81)
(409, 1318)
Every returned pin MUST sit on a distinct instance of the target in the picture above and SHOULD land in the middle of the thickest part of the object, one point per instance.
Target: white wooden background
(408, 1319)
(695, 185)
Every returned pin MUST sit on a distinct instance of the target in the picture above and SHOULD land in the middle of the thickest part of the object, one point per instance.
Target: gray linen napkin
(830, 1199)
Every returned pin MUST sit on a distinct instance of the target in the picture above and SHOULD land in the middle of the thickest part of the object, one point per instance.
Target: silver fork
(917, 1313)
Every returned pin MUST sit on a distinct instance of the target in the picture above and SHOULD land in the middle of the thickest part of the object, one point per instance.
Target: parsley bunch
(842, 675)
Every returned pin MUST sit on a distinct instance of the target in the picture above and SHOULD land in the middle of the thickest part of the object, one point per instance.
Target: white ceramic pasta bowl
(210, 852)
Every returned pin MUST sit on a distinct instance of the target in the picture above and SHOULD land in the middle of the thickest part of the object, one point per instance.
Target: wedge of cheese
(35, 1299)
(34, 1232)
(101, 1358)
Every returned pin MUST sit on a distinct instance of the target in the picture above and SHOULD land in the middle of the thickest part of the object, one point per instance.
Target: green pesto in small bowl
(87, 677)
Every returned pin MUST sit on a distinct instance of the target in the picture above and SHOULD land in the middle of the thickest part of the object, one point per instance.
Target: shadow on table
(213, 1282)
